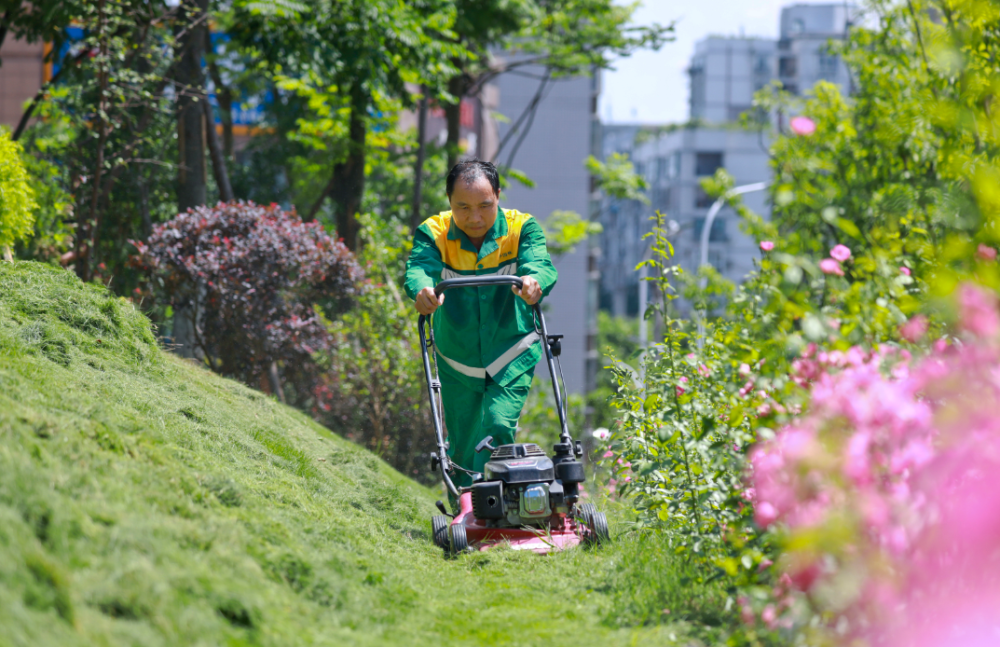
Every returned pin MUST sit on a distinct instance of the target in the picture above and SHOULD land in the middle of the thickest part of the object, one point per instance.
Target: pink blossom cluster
(838, 255)
(889, 488)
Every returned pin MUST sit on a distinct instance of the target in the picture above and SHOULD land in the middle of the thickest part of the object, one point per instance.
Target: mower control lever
(485, 443)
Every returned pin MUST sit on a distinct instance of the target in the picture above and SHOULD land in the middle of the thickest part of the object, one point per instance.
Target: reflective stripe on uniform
(507, 270)
(471, 371)
(499, 363)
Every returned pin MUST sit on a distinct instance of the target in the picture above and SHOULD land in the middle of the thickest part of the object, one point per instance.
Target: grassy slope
(146, 501)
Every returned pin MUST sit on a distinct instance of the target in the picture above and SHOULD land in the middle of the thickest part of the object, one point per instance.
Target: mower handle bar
(477, 282)
(434, 385)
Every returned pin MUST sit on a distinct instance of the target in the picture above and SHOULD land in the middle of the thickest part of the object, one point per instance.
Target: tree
(353, 54)
(564, 37)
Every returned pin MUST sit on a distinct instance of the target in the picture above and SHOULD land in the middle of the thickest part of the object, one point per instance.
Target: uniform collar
(498, 230)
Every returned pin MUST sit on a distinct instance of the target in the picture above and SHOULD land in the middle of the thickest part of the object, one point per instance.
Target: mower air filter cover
(570, 472)
(487, 500)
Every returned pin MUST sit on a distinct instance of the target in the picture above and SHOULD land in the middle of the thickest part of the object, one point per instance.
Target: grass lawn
(147, 501)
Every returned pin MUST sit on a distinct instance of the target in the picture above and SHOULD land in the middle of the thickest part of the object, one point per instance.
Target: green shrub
(17, 198)
(372, 389)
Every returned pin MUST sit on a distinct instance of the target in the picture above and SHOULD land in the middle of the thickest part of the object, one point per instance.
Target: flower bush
(887, 492)
(871, 495)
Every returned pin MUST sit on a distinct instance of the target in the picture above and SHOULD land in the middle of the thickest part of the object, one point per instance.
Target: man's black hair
(470, 171)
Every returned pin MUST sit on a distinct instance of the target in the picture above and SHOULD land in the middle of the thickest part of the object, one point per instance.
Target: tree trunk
(348, 184)
(418, 167)
(218, 161)
(85, 266)
(3, 25)
(224, 95)
(192, 174)
(453, 116)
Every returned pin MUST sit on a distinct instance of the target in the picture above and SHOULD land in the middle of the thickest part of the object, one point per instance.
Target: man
(486, 341)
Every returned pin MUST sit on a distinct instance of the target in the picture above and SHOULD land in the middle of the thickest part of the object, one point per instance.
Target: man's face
(474, 207)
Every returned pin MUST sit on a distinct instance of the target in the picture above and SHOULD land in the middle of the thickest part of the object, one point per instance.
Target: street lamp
(706, 232)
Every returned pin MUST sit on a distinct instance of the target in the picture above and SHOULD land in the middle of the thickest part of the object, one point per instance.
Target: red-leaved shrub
(250, 278)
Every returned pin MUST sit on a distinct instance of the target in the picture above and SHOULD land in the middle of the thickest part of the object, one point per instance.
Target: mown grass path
(146, 501)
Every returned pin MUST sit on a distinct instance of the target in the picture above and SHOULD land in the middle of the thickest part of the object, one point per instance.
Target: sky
(652, 87)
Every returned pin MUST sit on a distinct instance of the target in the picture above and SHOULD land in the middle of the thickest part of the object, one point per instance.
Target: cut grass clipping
(146, 501)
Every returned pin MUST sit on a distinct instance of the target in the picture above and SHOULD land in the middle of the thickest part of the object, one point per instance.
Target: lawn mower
(524, 498)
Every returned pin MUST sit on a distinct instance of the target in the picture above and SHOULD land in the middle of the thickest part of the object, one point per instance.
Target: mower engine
(522, 486)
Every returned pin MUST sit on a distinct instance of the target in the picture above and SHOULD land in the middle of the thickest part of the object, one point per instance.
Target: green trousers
(471, 416)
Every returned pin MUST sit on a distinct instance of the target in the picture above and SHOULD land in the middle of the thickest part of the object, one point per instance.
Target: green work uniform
(485, 337)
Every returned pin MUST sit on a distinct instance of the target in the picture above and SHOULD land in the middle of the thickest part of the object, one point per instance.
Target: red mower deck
(561, 534)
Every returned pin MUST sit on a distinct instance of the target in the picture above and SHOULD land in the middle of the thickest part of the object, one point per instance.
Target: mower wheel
(599, 533)
(584, 512)
(459, 543)
(439, 530)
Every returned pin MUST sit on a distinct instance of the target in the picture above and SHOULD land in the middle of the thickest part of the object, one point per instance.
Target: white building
(724, 75)
(553, 156)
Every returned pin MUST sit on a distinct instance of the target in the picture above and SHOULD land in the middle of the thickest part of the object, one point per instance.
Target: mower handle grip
(477, 282)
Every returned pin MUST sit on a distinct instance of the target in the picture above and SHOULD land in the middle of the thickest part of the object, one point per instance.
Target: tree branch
(215, 152)
(532, 105)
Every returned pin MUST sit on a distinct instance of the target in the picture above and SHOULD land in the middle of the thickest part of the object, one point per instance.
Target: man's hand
(530, 291)
(428, 302)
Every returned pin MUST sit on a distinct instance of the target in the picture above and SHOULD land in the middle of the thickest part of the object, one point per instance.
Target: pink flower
(680, 389)
(607, 454)
(765, 514)
(704, 371)
(840, 252)
(802, 125)
(914, 329)
(744, 369)
(905, 270)
(830, 266)
(978, 310)
(766, 245)
(601, 433)
(986, 253)
(769, 616)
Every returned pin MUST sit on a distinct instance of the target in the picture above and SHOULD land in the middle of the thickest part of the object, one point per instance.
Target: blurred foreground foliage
(878, 213)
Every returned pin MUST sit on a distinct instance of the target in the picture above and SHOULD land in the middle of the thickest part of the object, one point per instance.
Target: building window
(788, 66)
(661, 168)
(701, 199)
(717, 259)
(661, 200)
(707, 163)
(763, 66)
(718, 233)
(828, 66)
(735, 112)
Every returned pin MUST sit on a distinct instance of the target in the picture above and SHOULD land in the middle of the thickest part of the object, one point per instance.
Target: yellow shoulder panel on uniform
(438, 225)
(508, 244)
(452, 253)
